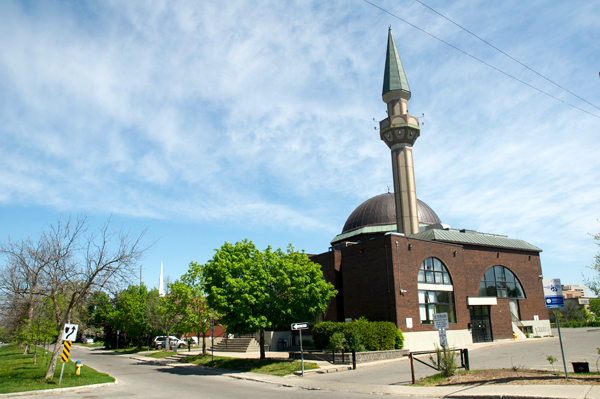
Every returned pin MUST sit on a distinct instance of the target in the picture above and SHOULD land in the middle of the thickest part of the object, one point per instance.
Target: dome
(381, 210)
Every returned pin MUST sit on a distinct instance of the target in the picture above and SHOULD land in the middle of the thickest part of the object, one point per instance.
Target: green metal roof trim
(394, 77)
(475, 238)
(364, 230)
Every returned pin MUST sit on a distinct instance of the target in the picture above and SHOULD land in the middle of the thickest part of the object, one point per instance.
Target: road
(156, 380)
(151, 380)
(579, 345)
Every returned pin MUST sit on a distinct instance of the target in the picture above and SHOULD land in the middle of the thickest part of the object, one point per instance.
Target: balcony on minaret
(399, 129)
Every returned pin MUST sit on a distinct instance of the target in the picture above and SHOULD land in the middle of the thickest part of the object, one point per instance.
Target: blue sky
(215, 121)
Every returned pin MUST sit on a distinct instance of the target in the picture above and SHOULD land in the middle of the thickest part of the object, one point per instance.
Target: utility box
(581, 367)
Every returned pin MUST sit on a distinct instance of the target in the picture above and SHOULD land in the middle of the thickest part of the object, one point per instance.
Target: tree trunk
(37, 339)
(168, 342)
(203, 342)
(262, 344)
(55, 354)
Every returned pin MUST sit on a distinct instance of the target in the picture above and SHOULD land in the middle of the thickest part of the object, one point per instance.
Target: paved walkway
(481, 391)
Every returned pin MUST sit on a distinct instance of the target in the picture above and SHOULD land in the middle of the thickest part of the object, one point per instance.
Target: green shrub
(399, 339)
(373, 336)
(445, 360)
(337, 341)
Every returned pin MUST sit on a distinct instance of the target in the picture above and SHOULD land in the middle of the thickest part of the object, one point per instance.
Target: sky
(209, 121)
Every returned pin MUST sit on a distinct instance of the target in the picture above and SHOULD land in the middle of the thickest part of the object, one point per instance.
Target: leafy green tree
(255, 290)
(130, 314)
(196, 314)
(164, 312)
(595, 307)
(594, 282)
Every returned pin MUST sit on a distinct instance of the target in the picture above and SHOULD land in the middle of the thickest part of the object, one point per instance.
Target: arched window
(435, 291)
(500, 282)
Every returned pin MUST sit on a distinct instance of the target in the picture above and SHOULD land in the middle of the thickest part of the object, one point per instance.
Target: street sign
(553, 293)
(440, 321)
(212, 327)
(66, 351)
(70, 332)
(299, 326)
(443, 338)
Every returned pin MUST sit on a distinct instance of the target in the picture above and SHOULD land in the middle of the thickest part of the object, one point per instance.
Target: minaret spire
(161, 291)
(400, 131)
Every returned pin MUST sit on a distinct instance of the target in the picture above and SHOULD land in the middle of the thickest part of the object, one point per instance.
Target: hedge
(374, 335)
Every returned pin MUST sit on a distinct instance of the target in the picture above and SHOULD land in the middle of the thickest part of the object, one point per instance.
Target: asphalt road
(579, 345)
(154, 380)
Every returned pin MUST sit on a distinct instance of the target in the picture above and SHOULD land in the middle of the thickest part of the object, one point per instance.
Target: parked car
(87, 340)
(174, 342)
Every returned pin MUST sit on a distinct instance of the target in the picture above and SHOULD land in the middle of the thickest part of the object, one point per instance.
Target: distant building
(395, 261)
(576, 293)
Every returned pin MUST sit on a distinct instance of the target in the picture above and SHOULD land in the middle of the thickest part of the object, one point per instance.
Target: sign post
(440, 323)
(554, 299)
(212, 340)
(300, 327)
(69, 335)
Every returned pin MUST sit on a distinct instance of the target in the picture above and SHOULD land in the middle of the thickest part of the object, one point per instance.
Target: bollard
(78, 365)
(353, 359)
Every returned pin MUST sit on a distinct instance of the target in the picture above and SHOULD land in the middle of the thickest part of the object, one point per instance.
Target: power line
(509, 56)
(477, 59)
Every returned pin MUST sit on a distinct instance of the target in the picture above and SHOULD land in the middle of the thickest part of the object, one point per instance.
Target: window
(431, 302)
(500, 282)
(433, 271)
(435, 291)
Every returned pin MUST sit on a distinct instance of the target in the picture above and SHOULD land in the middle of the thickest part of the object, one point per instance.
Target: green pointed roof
(394, 78)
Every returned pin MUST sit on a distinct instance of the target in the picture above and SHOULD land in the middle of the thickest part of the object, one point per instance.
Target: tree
(196, 314)
(72, 264)
(594, 283)
(255, 290)
(595, 307)
(130, 315)
(163, 313)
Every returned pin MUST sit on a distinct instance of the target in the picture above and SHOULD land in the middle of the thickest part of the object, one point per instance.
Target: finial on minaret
(400, 131)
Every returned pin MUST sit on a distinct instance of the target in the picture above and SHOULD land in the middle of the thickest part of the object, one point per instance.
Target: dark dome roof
(381, 210)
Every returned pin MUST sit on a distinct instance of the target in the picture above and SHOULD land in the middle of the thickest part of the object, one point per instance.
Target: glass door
(481, 325)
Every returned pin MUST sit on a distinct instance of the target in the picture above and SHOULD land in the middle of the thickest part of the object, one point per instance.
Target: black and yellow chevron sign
(66, 351)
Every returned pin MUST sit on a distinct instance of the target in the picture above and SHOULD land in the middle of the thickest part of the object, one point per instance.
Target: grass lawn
(161, 354)
(267, 366)
(18, 374)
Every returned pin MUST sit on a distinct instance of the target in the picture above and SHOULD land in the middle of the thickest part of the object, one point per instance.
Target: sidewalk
(308, 383)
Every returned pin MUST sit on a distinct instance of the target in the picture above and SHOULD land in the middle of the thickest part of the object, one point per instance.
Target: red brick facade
(377, 279)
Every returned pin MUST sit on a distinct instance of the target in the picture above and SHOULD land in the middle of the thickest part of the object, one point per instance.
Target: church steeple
(400, 131)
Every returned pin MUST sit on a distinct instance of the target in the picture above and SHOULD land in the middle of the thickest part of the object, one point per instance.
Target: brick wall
(372, 275)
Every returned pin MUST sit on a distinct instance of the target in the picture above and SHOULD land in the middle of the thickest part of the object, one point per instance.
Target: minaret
(400, 131)
(161, 291)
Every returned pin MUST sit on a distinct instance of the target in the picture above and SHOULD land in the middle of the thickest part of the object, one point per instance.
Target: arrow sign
(299, 326)
(70, 332)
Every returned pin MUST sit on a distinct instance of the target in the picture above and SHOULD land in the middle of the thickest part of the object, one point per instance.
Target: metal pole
(412, 367)
(301, 353)
(61, 373)
(561, 345)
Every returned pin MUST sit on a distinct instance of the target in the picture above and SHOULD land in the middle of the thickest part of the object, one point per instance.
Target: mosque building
(396, 261)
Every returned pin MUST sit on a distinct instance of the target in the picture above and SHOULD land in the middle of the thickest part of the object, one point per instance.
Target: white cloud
(262, 113)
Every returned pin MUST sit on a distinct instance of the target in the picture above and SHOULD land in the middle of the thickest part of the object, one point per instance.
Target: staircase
(237, 345)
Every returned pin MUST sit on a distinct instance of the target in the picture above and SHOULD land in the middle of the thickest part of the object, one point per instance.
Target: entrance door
(481, 324)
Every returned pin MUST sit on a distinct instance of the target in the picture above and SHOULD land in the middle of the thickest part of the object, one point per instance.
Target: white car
(87, 340)
(174, 342)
